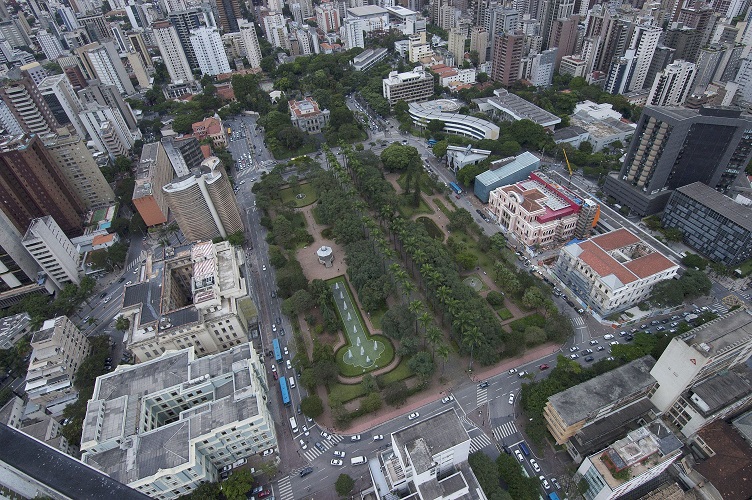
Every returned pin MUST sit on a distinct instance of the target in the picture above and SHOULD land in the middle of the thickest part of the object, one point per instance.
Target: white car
(339, 454)
(378, 437)
(355, 438)
(512, 370)
(303, 445)
(274, 327)
(106, 300)
(413, 416)
(511, 399)
(325, 435)
(336, 462)
(267, 452)
(286, 351)
(447, 399)
(518, 454)
(240, 462)
(534, 465)
(544, 481)
(289, 365)
(608, 337)
(574, 349)
(128, 283)
(263, 268)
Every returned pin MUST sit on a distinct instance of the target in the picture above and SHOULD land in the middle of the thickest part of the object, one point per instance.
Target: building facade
(210, 128)
(454, 123)
(154, 171)
(307, 116)
(53, 251)
(62, 100)
(28, 106)
(711, 223)
(250, 43)
(210, 53)
(613, 271)
(411, 86)
(673, 85)
(506, 57)
(172, 52)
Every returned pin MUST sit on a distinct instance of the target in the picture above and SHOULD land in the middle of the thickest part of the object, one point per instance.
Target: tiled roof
(649, 264)
(603, 264)
(102, 239)
(731, 467)
(615, 239)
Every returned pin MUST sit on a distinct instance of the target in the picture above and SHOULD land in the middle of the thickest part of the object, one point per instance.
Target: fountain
(368, 360)
(344, 306)
(341, 295)
(349, 353)
(348, 317)
(336, 286)
(357, 341)
(362, 350)
(375, 345)
(355, 329)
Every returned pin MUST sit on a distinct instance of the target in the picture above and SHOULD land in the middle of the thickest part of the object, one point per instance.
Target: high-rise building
(327, 17)
(553, 10)
(210, 53)
(62, 100)
(96, 26)
(75, 160)
(9, 122)
(644, 42)
(203, 202)
(668, 145)
(354, 33)
(229, 14)
(479, 42)
(139, 45)
(275, 26)
(684, 40)
(154, 171)
(107, 95)
(456, 46)
(564, 37)
(108, 68)
(673, 85)
(32, 185)
(411, 86)
(250, 43)
(107, 129)
(185, 21)
(139, 69)
(507, 54)
(172, 52)
(663, 57)
(28, 106)
(50, 45)
(53, 251)
(542, 68)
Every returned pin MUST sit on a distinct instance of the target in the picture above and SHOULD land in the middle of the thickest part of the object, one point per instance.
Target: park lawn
(441, 206)
(504, 313)
(400, 372)
(375, 318)
(346, 392)
(407, 210)
(354, 371)
(746, 267)
(288, 195)
(535, 319)
(485, 259)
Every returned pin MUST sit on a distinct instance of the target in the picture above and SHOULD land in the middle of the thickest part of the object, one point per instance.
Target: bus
(553, 496)
(277, 350)
(285, 392)
(522, 445)
(431, 142)
(455, 187)
(293, 425)
(229, 131)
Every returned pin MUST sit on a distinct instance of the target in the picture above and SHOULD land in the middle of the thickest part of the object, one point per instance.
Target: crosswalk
(481, 393)
(479, 442)
(312, 452)
(469, 424)
(504, 430)
(719, 308)
(284, 489)
(137, 261)
(578, 321)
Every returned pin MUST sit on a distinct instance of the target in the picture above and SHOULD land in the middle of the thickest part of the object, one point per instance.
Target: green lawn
(346, 392)
(504, 314)
(746, 267)
(442, 207)
(288, 195)
(431, 227)
(407, 210)
(375, 318)
(401, 372)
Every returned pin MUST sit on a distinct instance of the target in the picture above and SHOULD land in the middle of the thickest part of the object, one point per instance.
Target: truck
(293, 425)
(455, 187)
(229, 131)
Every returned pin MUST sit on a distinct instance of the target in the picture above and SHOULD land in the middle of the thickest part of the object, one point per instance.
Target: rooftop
(520, 162)
(567, 133)
(368, 10)
(538, 196)
(145, 170)
(731, 467)
(424, 440)
(721, 334)
(520, 108)
(722, 389)
(584, 400)
(719, 203)
(304, 108)
(11, 326)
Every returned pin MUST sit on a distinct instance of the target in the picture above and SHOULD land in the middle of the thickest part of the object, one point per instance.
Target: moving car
(511, 399)
(534, 465)
(306, 471)
(378, 437)
(319, 446)
(543, 367)
(483, 384)
(447, 399)
(518, 454)
(555, 483)
(413, 416)
(513, 370)
(336, 462)
(325, 435)
(263, 268)
(340, 454)
(355, 437)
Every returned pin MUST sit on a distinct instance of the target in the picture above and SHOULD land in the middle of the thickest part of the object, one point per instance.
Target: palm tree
(443, 351)
(472, 337)
(463, 321)
(434, 336)
(415, 307)
(407, 287)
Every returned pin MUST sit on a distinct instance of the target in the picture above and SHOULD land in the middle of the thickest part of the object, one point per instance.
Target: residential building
(673, 85)
(327, 17)
(33, 185)
(28, 106)
(172, 52)
(199, 415)
(507, 54)
(369, 58)
(711, 223)
(184, 21)
(603, 124)
(210, 53)
(612, 272)
(418, 48)
(307, 116)
(139, 69)
(9, 123)
(596, 401)
(250, 43)
(454, 122)
(411, 86)
(203, 203)
(667, 146)
(503, 172)
(62, 100)
(35, 71)
(195, 297)
(108, 67)
(50, 45)
(154, 171)
(456, 46)
(108, 130)
(479, 42)
(511, 107)
(181, 152)
(107, 95)
(564, 36)
(27, 463)
(539, 212)
(275, 27)
(353, 33)
(542, 68)
(210, 128)
(53, 251)
(551, 10)
(77, 163)
(453, 77)
(702, 377)
(58, 349)
(14, 328)
(644, 454)
(229, 15)
(644, 41)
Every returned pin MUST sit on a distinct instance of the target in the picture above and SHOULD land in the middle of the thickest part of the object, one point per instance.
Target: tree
(496, 299)
(694, 260)
(236, 239)
(396, 393)
(422, 365)
(533, 298)
(673, 234)
(312, 406)
(440, 149)
(435, 126)
(122, 323)
(344, 485)
(206, 491)
(371, 403)
(236, 486)
(472, 337)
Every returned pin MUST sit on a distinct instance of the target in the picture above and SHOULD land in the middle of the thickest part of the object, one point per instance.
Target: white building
(108, 67)
(168, 425)
(52, 250)
(275, 27)
(418, 48)
(411, 86)
(374, 18)
(14, 328)
(644, 42)
(572, 65)
(603, 124)
(353, 33)
(542, 68)
(612, 272)
(108, 130)
(210, 53)
(50, 45)
(507, 106)
(58, 349)
(446, 111)
(172, 52)
(250, 43)
(62, 101)
(327, 17)
(673, 85)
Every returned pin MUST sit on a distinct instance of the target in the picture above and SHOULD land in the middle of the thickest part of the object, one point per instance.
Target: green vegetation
(491, 474)
(695, 261)
(346, 392)
(504, 314)
(290, 195)
(312, 406)
(39, 307)
(344, 485)
(431, 228)
(238, 484)
(401, 372)
(691, 285)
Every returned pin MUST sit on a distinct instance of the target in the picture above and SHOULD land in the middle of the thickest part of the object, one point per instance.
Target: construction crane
(569, 167)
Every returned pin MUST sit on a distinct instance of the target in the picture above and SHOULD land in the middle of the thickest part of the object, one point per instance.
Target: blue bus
(285, 392)
(455, 187)
(277, 350)
(431, 142)
(524, 449)
(553, 496)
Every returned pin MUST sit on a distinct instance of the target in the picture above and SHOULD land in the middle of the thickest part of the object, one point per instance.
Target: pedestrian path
(469, 424)
(482, 395)
(137, 261)
(504, 430)
(578, 321)
(719, 308)
(284, 489)
(312, 452)
(479, 442)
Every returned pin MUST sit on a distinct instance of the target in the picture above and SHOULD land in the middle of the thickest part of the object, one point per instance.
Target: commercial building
(613, 271)
(172, 52)
(58, 349)
(506, 57)
(726, 457)
(503, 172)
(702, 376)
(594, 402)
(511, 107)
(210, 53)
(14, 328)
(631, 464)
(168, 425)
(75, 160)
(603, 124)
(53, 251)
(711, 223)
(540, 212)
(369, 58)
(154, 171)
(28, 106)
(307, 116)
(35, 424)
(454, 122)
(210, 128)
(203, 202)
(107, 95)
(373, 17)
(573, 135)
(411, 86)
(195, 297)
(673, 85)
(458, 157)
(33, 185)
(666, 148)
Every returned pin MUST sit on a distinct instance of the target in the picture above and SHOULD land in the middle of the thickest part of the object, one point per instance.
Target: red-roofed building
(104, 241)
(614, 271)
(307, 116)
(210, 128)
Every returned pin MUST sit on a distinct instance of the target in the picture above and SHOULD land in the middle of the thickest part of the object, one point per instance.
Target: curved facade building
(203, 202)
(454, 123)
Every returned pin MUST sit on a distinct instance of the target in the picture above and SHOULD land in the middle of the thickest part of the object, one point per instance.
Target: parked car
(593, 342)
(355, 438)
(589, 359)
(267, 452)
(239, 463)
(543, 367)
(340, 454)
(521, 374)
(336, 462)
(413, 416)
(555, 483)
(303, 445)
(544, 482)
(511, 399)
(447, 399)
(513, 370)
(534, 465)
(574, 349)
(378, 437)
(518, 454)
(319, 446)
(574, 356)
